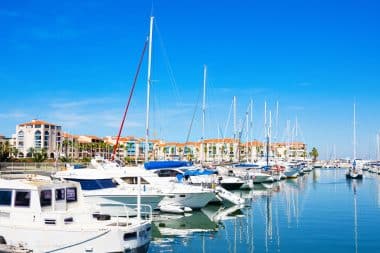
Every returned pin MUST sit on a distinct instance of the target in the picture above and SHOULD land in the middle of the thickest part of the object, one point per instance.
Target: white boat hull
(113, 200)
(73, 239)
(195, 200)
(261, 178)
(291, 174)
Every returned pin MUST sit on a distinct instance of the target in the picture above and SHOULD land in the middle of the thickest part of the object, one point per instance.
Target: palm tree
(314, 154)
(213, 151)
(121, 146)
(5, 151)
(39, 156)
(65, 144)
(14, 151)
(31, 152)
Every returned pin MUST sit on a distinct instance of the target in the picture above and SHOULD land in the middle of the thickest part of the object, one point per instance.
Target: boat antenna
(129, 100)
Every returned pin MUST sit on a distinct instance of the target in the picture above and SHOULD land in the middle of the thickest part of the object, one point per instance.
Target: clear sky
(72, 63)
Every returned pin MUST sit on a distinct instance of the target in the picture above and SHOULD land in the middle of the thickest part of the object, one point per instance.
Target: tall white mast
(247, 133)
(288, 138)
(354, 131)
(265, 117)
(251, 130)
(235, 126)
(204, 101)
(270, 126)
(276, 136)
(148, 90)
(268, 136)
(378, 146)
(202, 158)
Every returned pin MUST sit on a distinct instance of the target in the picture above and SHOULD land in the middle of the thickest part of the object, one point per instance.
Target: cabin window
(71, 194)
(96, 184)
(60, 194)
(130, 236)
(45, 198)
(5, 198)
(167, 173)
(133, 180)
(22, 198)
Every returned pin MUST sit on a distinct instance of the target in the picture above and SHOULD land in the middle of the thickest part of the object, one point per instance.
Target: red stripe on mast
(129, 100)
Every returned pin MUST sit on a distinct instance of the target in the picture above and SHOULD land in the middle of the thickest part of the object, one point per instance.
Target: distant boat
(354, 172)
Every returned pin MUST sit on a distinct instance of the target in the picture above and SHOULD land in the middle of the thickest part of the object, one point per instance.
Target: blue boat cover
(246, 165)
(79, 166)
(195, 172)
(152, 165)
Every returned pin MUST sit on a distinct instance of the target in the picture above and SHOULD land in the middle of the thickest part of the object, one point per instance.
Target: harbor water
(318, 212)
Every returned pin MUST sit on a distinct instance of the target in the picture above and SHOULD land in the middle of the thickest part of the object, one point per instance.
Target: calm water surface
(318, 212)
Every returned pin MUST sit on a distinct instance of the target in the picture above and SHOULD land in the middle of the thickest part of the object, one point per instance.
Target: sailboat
(354, 172)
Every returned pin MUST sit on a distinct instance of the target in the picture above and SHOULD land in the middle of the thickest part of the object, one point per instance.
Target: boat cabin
(29, 200)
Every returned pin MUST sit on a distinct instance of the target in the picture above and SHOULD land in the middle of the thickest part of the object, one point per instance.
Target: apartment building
(37, 135)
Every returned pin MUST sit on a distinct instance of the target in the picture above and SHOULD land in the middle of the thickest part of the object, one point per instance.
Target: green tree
(39, 156)
(15, 152)
(65, 159)
(314, 154)
(31, 152)
(5, 151)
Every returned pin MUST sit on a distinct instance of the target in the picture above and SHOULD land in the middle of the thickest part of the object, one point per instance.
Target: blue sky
(72, 63)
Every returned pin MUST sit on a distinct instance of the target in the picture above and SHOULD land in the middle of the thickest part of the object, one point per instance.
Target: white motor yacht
(104, 190)
(51, 216)
(163, 194)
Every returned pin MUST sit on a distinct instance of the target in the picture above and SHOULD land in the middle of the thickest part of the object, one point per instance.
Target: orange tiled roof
(36, 122)
(225, 140)
(67, 135)
(93, 137)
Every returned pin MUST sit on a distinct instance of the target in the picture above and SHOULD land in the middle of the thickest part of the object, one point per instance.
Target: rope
(129, 100)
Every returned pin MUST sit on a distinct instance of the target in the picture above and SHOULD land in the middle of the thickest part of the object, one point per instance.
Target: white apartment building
(37, 134)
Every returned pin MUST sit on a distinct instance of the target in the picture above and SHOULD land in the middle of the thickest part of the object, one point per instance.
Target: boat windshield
(95, 184)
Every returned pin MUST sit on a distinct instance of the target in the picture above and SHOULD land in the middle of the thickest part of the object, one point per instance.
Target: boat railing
(29, 167)
(146, 212)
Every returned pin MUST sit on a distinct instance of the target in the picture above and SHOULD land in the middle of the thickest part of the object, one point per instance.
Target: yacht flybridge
(50, 216)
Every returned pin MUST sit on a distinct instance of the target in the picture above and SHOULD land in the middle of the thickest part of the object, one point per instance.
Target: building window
(20, 144)
(46, 126)
(37, 139)
(20, 135)
(37, 126)
(22, 198)
(46, 139)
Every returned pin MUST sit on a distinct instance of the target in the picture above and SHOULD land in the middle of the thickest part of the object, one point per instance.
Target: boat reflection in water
(169, 230)
(284, 217)
(208, 219)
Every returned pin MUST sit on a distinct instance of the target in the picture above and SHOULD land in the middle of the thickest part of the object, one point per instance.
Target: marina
(189, 126)
(320, 206)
